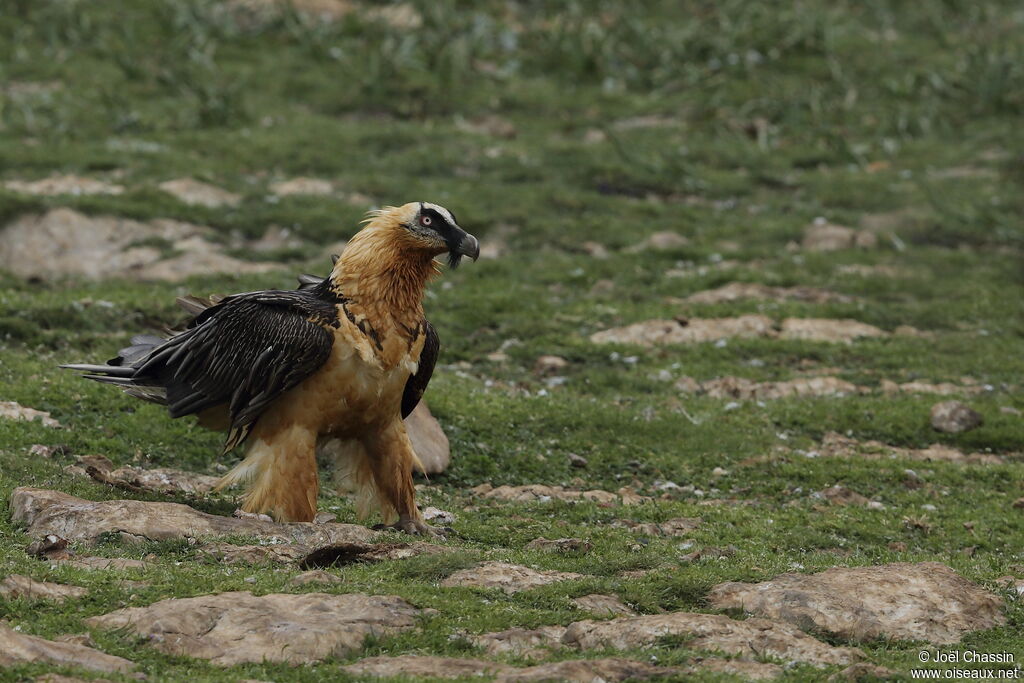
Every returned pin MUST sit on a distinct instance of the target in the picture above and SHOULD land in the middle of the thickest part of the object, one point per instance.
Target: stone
(678, 526)
(542, 493)
(239, 627)
(19, 648)
(735, 291)
(560, 545)
(749, 638)
(18, 586)
(923, 601)
(659, 241)
(52, 512)
(954, 417)
(104, 563)
(837, 445)
(918, 387)
(432, 515)
(197, 193)
(824, 236)
(429, 441)
(549, 365)
(603, 605)
(63, 184)
(746, 389)
(14, 411)
(607, 670)
(827, 330)
(510, 578)
(687, 331)
(302, 186)
(575, 671)
(424, 666)
(160, 479)
(840, 495)
(577, 461)
(520, 642)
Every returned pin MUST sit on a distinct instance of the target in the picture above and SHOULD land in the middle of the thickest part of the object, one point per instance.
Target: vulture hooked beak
(463, 244)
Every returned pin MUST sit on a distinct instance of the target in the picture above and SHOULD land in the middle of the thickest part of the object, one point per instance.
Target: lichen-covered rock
(19, 648)
(18, 586)
(510, 578)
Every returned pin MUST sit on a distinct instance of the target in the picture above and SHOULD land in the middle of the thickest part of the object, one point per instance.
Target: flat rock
(747, 389)
(15, 411)
(429, 441)
(954, 417)
(47, 512)
(510, 578)
(302, 186)
(603, 605)
(274, 553)
(19, 648)
(841, 496)
(65, 243)
(160, 479)
(104, 563)
(315, 576)
(745, 669)
(828, 330)
(18, 586)
(923, 601)
(659, 241)
(736, 291)
(197, 193)
(687, 331)
(582, 671)
(749, 638)
(837, 445)
(542, 493)
(63, 184)
(824, 236)
(239, 627)
(678, 526)
(968, 387)
(530, 643)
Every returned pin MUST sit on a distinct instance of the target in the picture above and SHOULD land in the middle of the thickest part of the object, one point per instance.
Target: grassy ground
(734, 123)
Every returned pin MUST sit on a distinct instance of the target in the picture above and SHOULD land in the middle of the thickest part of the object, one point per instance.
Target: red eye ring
(425, 220)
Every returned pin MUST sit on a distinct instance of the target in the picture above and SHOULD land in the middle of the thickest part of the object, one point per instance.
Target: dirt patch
(836, 445)
(197, 193)
(510, 578)
(735, 291)
(63, 184)
(47, 512)
(540, 493)
(15, 411)
(750, 638)
(19, 648)
(924, 601)
(687, 331)
(827, 330)
(65, 243)
(18, 586)
(235, 628)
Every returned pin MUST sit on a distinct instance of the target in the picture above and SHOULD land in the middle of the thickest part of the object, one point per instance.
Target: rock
(52, 512)
(530, 643)
(687, 331)
(577, 461)
(509, 578)
(238, 627)
(659, 241)
(64, 243)
(341, 554)
(57, 678)
(862, 671)
(1019, 503)
(742, 388)
(837, 445)
(918, 387)
(18, 648)
(18, 586)
(428, 440)
(161, 479)
(735, 291)
(314, 576)
(541, 493)
(104, 563)
(954, 417)
(277, 553)
(603, 605)
(560, 545)
(824, 236)
(302, 186)
(822, 329)
(840, 495)
(549, 365)
(581, 671)
(749, 638)
(594, 249)
(63, 184)
(15, 411)
(274, 237)
(432, 515)
(679, 526)
(196, 193)
(744, 669)
(923, 601)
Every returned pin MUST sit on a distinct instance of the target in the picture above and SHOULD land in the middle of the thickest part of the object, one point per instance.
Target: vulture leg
(391, 459)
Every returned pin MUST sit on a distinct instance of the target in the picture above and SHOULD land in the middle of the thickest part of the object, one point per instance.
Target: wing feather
(417, 383)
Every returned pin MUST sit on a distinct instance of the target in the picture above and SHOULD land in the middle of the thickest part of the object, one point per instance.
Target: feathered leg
(280, 469)
(391, 460)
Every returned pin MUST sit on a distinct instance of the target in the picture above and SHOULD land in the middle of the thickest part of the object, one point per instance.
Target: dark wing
(417, 384)
(245, 352)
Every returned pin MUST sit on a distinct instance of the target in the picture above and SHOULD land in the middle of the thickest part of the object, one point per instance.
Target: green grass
(734, 123)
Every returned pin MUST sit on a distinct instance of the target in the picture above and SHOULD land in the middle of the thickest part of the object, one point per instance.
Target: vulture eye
(425, 221)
